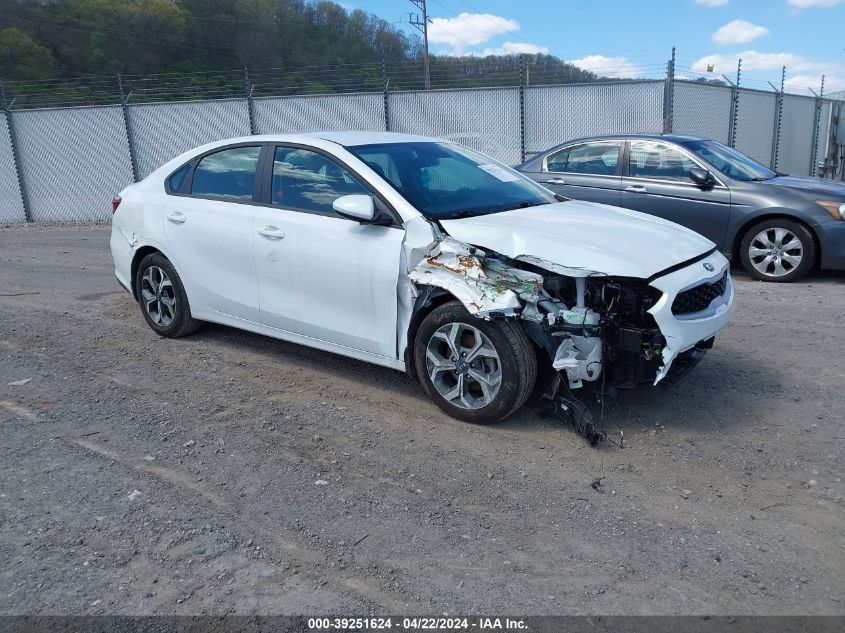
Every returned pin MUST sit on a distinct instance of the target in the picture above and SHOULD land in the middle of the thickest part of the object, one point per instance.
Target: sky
(634, 38)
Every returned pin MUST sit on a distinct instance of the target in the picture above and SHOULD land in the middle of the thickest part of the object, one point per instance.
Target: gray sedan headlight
(833, 207)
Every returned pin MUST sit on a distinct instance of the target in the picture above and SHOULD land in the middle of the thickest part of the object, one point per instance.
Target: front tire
(475, 370)
(162, 298)
(779, 250)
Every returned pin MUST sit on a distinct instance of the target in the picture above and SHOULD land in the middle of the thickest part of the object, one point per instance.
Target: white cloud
(712, 3)
(516, 48)
(469, 29)
(753, 60)
(738, 32)
(801, 83)
(806, 4)
(800, 71)
(609, 66)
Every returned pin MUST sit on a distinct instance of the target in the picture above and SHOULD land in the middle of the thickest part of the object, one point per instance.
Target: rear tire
(778, 249)
(162, 298)
(475, 370)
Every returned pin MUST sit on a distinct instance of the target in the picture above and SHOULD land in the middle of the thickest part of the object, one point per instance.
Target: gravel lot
(231, 473)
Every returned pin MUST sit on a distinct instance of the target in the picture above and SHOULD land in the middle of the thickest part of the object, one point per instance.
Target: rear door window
(590, 158)
(228, 174)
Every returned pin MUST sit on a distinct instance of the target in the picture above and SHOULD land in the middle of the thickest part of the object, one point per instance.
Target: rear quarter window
(177, 179)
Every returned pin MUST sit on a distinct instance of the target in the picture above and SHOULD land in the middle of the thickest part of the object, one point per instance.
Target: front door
(657, 182)
(320, 275)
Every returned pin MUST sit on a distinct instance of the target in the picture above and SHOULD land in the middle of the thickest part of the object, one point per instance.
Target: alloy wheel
(775, 252)
(463, 366)
(159, 296)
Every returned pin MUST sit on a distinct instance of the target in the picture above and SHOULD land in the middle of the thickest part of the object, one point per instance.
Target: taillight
(115, 203)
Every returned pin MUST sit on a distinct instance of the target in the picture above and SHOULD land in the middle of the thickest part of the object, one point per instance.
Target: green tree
(101, 62)
(21, 57)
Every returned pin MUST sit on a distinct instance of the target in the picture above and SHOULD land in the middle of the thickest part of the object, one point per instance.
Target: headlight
(836, 209)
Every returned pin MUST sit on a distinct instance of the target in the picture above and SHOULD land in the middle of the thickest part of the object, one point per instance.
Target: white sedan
(420, 255)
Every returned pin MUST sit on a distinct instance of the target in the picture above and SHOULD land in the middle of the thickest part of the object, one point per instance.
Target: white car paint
(312, 281)
(581, 238)
(350, 288)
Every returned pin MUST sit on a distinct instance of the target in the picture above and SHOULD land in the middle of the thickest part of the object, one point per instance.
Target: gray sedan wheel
(778, 250)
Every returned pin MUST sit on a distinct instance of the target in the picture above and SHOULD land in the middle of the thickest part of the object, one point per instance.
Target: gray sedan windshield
(446, 180)
(730, 162)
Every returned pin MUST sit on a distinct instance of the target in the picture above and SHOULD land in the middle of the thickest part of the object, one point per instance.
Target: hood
(580, 238)
(830, 188)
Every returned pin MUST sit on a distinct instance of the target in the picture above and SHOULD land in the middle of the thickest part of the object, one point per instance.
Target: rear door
(208, 223)
(656, 181)
(586, 171)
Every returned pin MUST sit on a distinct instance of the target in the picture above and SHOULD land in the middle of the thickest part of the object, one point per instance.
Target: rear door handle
(177, 218)
(272, 232)
(555, 181)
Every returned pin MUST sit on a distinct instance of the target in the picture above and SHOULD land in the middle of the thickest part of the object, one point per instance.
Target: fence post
(10, 125)
(386, 82)
(734, 105)
(817, 119)
(773, 163)
(248, 92)
(124, 106)
(669, 95)
(522, 107)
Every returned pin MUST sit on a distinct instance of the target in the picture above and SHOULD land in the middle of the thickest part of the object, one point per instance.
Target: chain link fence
(554, 114)
(11, 200)
(486, 120)
(72, 159)
(702, 110)
(161, 131)
(756, 125)
(276, 115)
(798, 136)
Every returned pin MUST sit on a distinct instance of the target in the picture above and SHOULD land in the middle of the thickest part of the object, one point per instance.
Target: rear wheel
(162, 297)
(475, 370)
(778, 250)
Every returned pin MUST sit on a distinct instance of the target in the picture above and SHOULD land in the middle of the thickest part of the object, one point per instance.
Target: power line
(422, 25)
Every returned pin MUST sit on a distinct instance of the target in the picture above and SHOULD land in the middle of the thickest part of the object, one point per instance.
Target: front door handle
(555, 181)
(272, 232)
(636, 189)
(177, 218)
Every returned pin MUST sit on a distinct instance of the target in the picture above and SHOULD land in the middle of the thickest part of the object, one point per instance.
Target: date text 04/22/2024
(419, 623)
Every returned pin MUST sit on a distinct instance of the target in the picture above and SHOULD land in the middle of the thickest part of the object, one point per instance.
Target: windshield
(730, 162)
(445, 180)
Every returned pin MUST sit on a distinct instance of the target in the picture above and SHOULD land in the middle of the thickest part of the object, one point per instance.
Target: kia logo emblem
(709, 266)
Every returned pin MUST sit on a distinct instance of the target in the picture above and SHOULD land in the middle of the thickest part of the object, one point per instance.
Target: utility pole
(421, 23)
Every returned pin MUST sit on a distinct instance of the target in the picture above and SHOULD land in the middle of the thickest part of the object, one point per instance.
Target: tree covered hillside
(70, 38)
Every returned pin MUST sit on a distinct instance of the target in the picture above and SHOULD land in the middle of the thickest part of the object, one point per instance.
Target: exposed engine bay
(598, 330)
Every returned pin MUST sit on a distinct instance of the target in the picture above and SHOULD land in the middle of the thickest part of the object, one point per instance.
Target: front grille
(699, 297)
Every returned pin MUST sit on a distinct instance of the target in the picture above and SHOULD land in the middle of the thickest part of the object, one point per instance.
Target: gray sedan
(778, 226)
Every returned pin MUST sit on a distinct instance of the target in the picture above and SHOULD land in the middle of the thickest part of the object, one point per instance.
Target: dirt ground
(231, 473)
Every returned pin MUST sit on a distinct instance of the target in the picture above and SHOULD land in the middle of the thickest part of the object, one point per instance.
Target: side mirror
(701, 177)
(355, 207)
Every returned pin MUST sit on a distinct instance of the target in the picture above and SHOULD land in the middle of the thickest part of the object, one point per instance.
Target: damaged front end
(599, 332)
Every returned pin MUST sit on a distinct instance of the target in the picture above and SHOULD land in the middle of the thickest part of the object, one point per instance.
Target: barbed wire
(341, 78)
